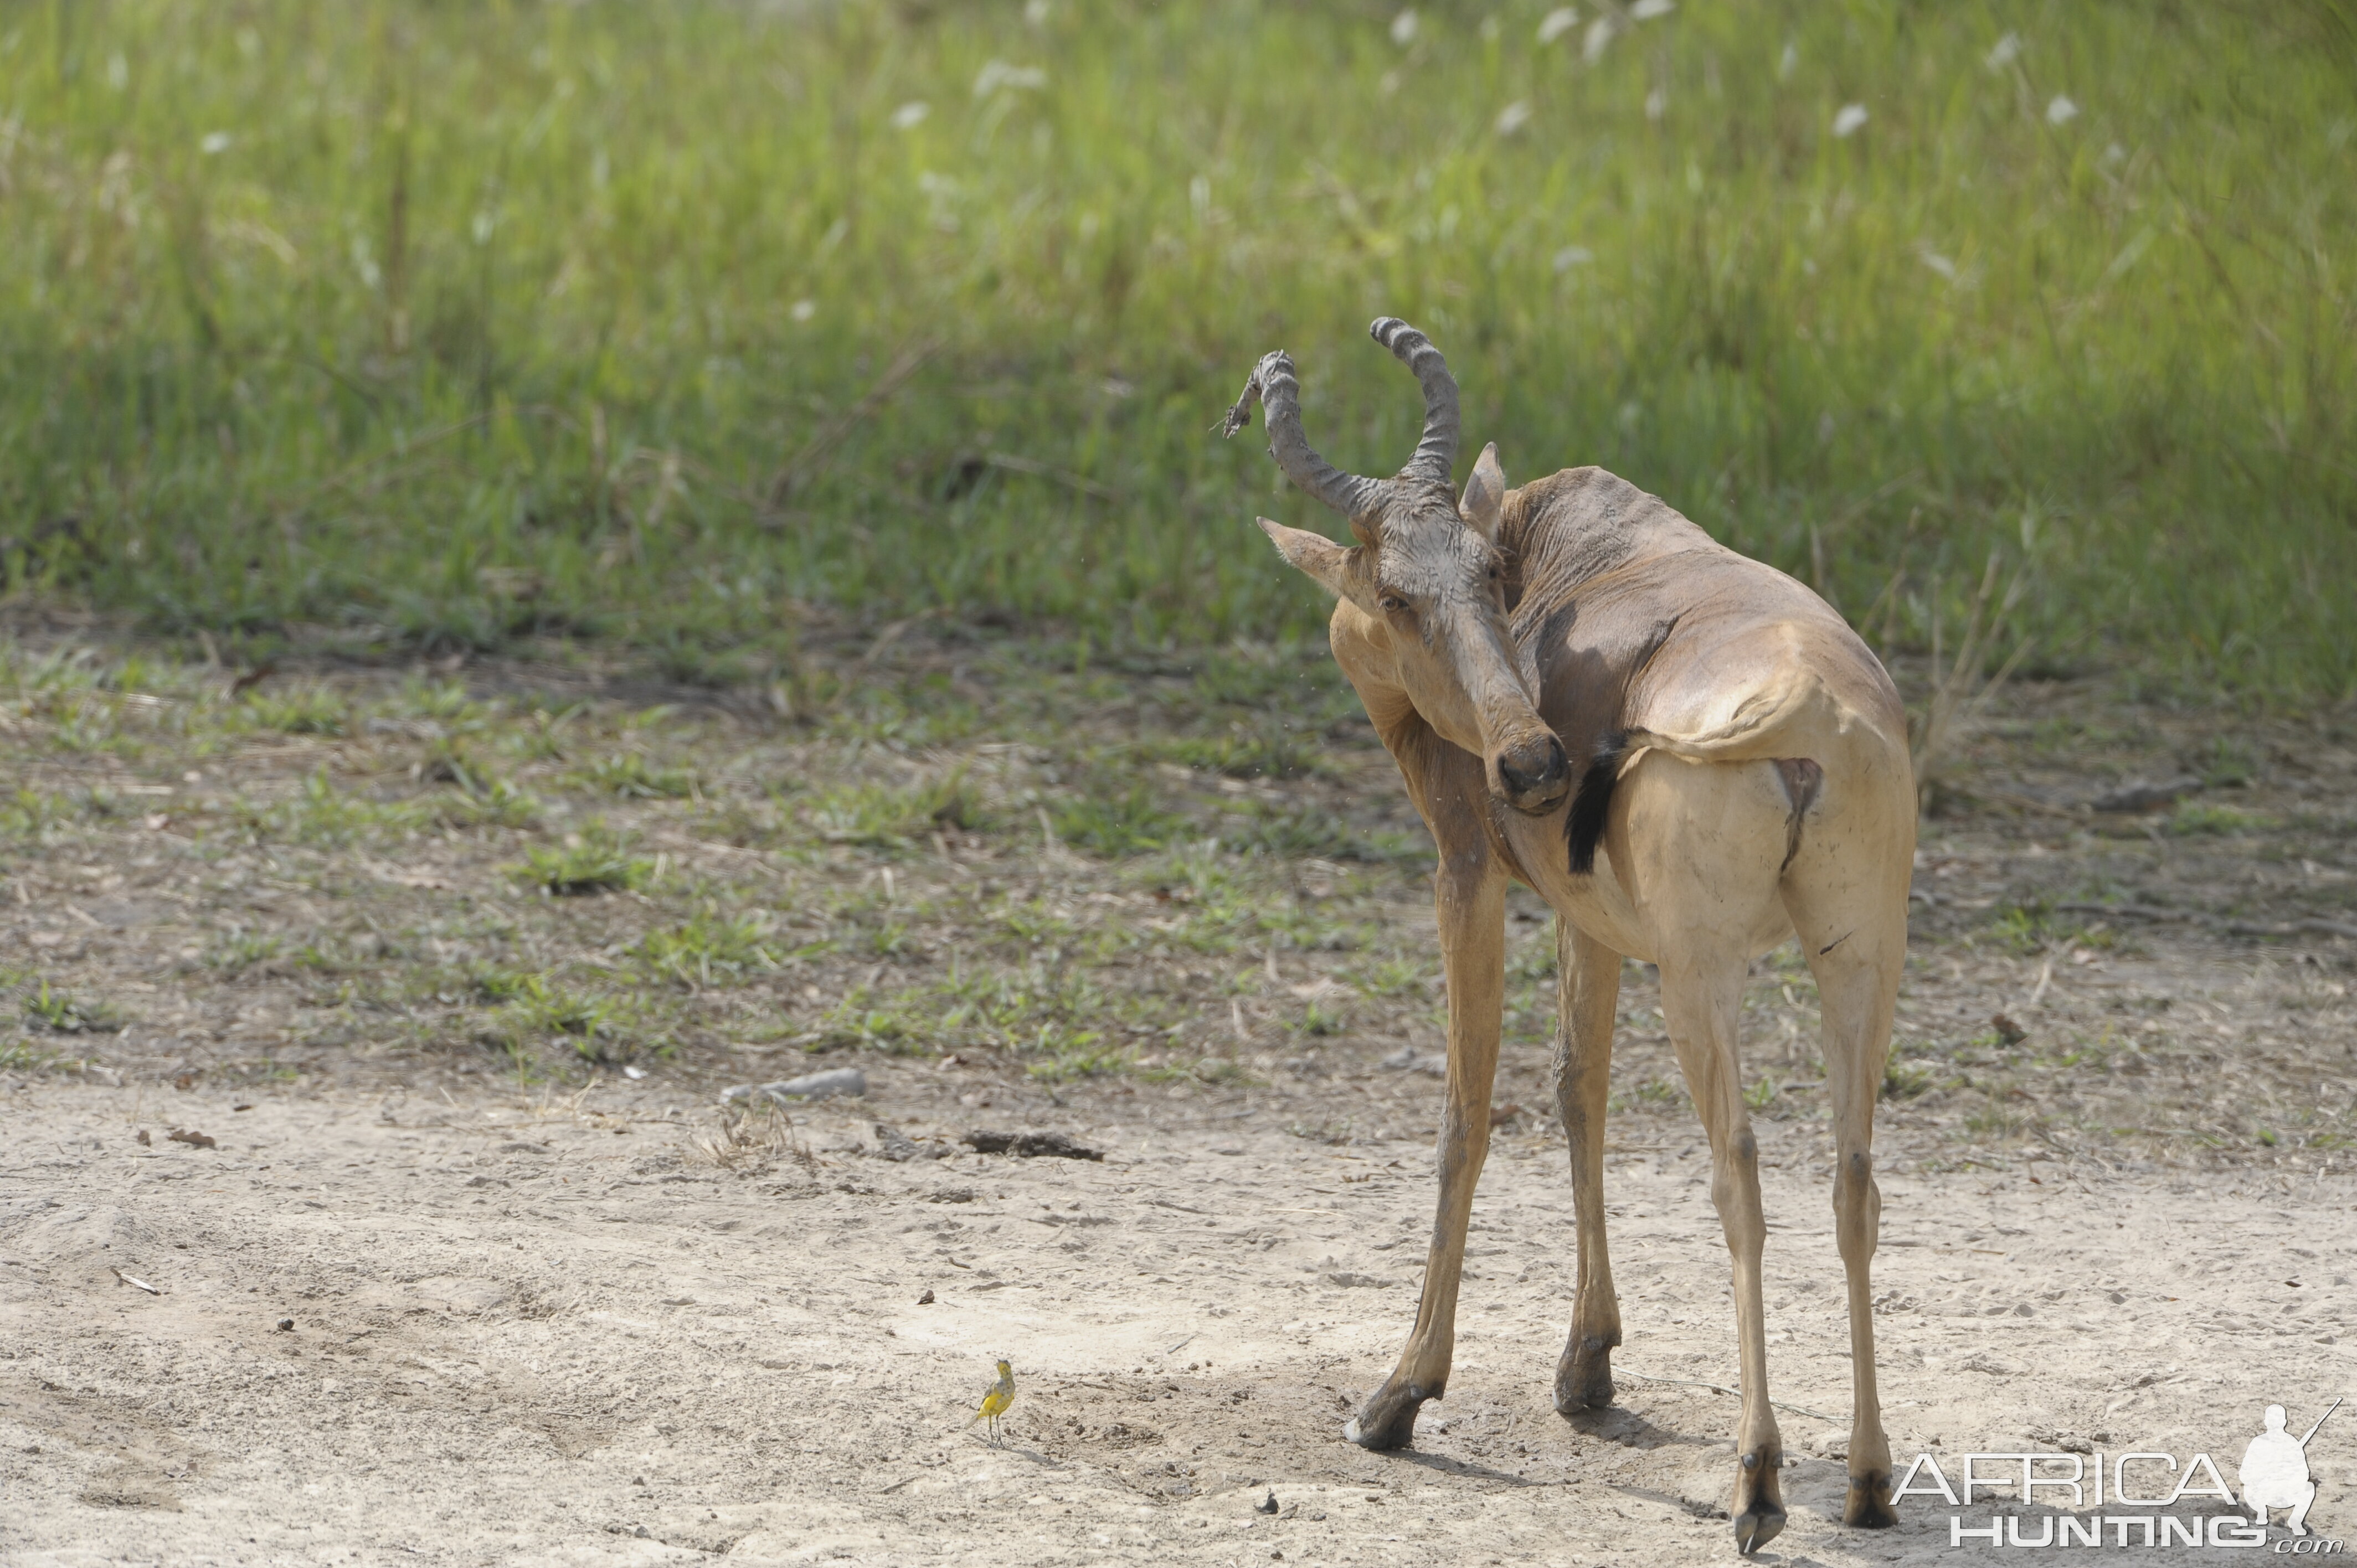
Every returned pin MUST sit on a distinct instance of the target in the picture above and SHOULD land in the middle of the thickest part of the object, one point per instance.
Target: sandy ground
(543, 1312)
(585, 1331)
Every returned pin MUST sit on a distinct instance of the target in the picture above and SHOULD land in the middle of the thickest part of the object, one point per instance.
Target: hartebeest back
(1741, 778)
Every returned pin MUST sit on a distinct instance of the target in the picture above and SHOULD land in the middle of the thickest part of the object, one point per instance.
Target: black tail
(1585, 824)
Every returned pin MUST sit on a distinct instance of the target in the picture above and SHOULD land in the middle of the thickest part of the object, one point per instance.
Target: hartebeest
(1742, 777)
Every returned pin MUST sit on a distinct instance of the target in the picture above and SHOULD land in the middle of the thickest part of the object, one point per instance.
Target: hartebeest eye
(1392, 604)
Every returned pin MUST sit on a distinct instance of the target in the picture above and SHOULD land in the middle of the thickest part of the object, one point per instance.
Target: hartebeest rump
(1692, 759)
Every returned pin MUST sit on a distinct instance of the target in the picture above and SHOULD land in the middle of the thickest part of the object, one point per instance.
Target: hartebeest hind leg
(1857, 995)
(1846, 890)
(1590, 979)
(1469, 895)
(1702, 995)
(1705, 847)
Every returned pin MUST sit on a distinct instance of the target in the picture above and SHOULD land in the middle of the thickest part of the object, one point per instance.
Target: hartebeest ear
(1314, 553)
(1484, 501)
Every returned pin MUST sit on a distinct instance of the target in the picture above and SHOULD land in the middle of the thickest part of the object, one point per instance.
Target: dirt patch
(623, 1335)
(550, 1301)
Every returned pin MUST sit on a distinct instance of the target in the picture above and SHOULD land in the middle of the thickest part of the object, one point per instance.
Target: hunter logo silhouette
(2275, 1471)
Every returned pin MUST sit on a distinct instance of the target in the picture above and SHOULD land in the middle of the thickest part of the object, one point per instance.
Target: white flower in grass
(2060, 111)
(2002, 52)
(1572, 256)
(1600, 34)
(1513, 117)
(1559, 21)
(1851, 117)
(1937, 262)
(803, 309)
(910, 115)
(1404, 28)
(214, 142)
(1646, 10)
(996, 74)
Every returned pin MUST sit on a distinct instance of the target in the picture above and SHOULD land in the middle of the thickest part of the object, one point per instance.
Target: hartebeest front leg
(1702, 997)
(1469, 895)
(1589, 979)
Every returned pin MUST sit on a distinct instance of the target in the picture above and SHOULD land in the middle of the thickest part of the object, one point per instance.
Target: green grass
(630, 775)
(595, 860)
(437, 326)
(1112, 821)
(1290, 831)
(239, 950)
(712, 948)
(1903, 1079)
(323, 814)
(881, 815)
(1392, 977)
(2033, 926)
(305, 711)
(64, 1015)
(1042, 1018)
(1652, 1094)
(2192, 817)
(528, 1009)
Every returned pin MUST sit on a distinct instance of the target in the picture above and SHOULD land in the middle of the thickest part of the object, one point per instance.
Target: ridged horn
(1273, 385)
(1437, 451)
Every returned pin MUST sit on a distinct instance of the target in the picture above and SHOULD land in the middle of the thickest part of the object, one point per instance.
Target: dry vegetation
(1189, 877)
(375, 953)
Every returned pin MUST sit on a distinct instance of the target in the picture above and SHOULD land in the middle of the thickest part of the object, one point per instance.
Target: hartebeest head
(1426, 573)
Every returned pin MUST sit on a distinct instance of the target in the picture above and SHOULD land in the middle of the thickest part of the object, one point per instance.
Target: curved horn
(1273, 384)
(1438, 450)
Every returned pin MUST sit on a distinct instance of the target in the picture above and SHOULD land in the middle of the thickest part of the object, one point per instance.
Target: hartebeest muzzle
(1532, 774)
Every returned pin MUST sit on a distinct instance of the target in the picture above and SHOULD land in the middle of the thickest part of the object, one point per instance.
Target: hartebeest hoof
(1387, 1421)
(1583, 1379)
(1870, 1505)
(1759, 1507)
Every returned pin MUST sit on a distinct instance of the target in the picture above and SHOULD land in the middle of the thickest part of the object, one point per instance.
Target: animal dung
(191, 1137)
(1029, 1146)
(842, 1081)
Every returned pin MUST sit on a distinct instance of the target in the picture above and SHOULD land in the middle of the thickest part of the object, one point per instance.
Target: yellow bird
(995, 1403)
